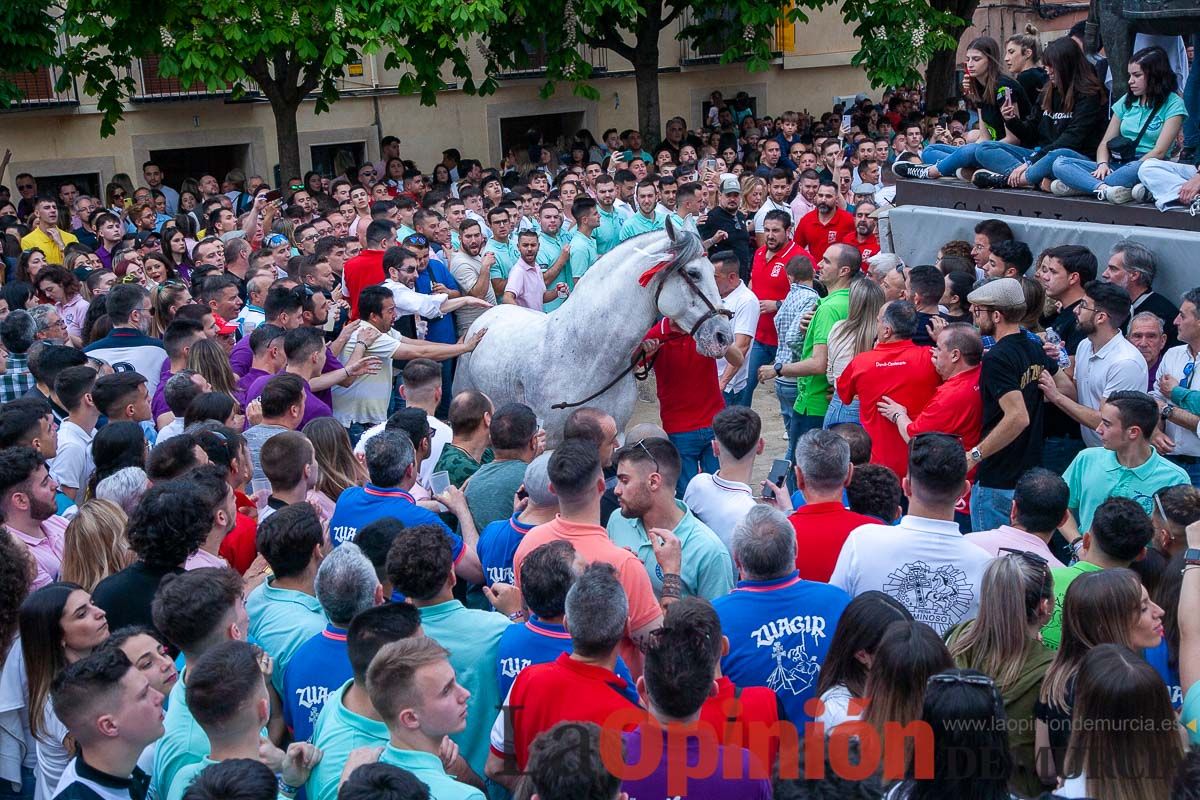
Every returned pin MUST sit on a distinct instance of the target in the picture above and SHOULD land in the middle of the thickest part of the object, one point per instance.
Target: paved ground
(765, 404)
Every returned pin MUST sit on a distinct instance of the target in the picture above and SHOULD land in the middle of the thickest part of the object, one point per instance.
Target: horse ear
(670, 228)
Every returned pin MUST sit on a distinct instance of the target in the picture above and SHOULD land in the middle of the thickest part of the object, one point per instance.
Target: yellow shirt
(42, 241)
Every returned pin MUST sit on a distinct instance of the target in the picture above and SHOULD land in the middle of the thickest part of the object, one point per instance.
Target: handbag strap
(1145, 125)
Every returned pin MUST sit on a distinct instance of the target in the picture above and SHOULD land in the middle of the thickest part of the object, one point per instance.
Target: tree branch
(675, 14)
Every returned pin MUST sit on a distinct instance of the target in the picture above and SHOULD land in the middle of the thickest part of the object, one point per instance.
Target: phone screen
(274, 195)
(439, 482)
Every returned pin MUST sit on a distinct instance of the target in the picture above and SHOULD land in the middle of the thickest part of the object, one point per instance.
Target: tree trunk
(287, 140)
(649, 113)
(939, 73)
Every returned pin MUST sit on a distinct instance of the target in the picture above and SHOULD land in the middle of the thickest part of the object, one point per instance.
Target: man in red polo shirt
(895, 368)
(824, 225)
(579, 686)
(770, 284)
(366, 268)
(823, 471)
(865, 236)
(957, 406)
(689, 395)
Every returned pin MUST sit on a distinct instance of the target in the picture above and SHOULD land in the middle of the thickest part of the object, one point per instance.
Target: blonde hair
(866, 298)
(749, 184)
(208, 357)
(95, 545)
(337, 467)
(994, 642)
(1028, 41)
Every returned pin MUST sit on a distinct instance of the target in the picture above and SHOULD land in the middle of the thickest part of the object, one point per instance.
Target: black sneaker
(986, 179)
(907, 169)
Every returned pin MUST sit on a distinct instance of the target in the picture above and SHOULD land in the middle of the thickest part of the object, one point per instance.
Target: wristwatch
(1192, 556)
(779, 370)
(974, 454)
(1166, 412)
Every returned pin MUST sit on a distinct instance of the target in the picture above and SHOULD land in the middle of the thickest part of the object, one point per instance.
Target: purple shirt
(751, 782)
(245, 382)
(242, 357)
(314, 406)
(158, 405)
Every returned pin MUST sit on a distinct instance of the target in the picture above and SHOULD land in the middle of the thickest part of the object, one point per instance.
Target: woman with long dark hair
(908, 653)
(851, 652)
(989, 91)
(1004, 642)
(1148, 118)
(175, 250)
(1105, 607)
(1125, 738)
(59, 625)
(1068, 122)
(970, 758)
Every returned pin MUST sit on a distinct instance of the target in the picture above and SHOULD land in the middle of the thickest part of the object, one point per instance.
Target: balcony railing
(709, 50)
(152, 87)
(536, 59)
(38, 90)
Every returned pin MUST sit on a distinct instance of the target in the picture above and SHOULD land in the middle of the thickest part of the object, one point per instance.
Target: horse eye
(695, 273)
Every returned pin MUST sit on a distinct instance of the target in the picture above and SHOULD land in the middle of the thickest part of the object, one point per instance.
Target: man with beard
(554, 249)
(778, 186)
(648, 217)
(825, 225)
(401, 266)
(1105, 361)
(27, 502)
(727, 219)
(127, 343)
(1013, 404)
(865, 237)
(646, 480)
(46, 235)
(208, 187)
(608, 234)
(769, 281)
(472, 273)
(806, 195)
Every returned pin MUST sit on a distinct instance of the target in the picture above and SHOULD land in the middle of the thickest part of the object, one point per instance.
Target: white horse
(579, 348)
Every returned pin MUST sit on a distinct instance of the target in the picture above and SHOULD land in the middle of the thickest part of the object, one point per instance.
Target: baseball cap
(730, 184)
(224, 328)
(1001, 293)
(862, 188)
(145, 236)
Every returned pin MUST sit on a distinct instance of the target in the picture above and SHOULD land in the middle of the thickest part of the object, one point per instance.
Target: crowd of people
(258, 548)
(1052, 121)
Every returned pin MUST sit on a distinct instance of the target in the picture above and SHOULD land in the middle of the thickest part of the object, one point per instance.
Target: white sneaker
(1118, 195)
(964, 173)
(1141, 194)
(1060, 189)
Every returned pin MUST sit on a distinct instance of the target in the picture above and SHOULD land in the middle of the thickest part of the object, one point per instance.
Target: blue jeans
(696, 453)
(799, 425)
(25, 792)
(1077, 173)
(950, 159)
(990, 508)
(839, 412)
(1058, 452)
(786, 393)
(1191, 101)
(760, 355)
(1003, 157)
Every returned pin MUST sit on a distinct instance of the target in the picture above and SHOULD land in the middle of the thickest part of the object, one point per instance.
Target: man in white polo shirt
(1176, 376)
(737, 298)
(721, 500)
(365, 403)
(1105, 361)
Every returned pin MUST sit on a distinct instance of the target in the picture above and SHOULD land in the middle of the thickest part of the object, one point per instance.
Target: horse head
(687, 294)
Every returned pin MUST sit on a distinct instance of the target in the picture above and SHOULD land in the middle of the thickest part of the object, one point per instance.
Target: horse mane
(686, 246)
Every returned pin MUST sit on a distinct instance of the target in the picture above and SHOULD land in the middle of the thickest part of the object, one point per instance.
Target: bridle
(669, 266)
(638, 358)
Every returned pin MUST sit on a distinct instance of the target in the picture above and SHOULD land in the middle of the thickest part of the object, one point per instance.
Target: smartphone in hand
(439, 482)
(779, 471)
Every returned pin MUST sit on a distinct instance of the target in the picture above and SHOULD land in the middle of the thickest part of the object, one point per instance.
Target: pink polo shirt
(203, 558)
(47, 550)
(526, 284)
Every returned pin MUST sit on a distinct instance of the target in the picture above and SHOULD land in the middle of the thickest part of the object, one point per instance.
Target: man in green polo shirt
(608, 233)
(415, 689)
(284, 611)
(840, 266)
(499, 245)
(648, 217)
(1126, 465)
(348, 720)
(584, 250)
(646, 477)
(425, 575)
(554, 249)
(1120, 531)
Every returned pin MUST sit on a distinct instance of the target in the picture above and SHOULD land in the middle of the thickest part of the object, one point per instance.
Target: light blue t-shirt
(639, 224)
(1134, 117)
(584, 253)
(1095, 475)
(428, 769)
(337, 732)
(1190, 715)
(608, 235)
(183, 743)
(280, 621)
(549, 249)
(706, 570)
(184, 777)
(473, 638)
(506, 255)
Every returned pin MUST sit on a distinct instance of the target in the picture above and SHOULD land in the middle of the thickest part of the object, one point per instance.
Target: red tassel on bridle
(649, 274)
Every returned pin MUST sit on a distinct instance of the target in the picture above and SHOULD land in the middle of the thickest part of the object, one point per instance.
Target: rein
(638, 357)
